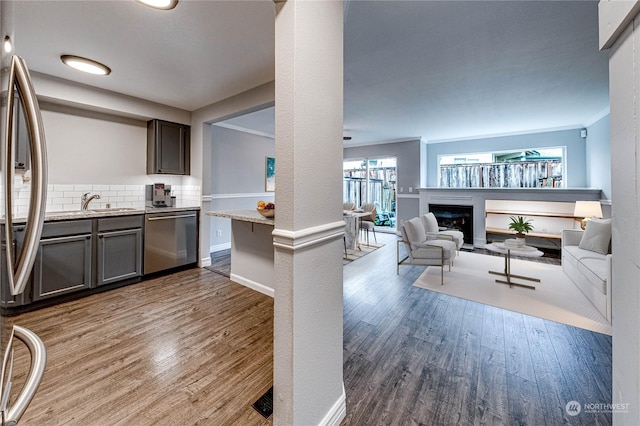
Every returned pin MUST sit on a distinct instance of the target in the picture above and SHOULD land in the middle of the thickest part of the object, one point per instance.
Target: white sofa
(589, 270)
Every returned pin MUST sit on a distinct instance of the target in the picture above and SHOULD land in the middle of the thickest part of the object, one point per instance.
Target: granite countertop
(243, 215)
(111, 212)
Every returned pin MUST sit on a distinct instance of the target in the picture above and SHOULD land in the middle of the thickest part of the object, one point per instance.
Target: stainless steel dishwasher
(170, 240)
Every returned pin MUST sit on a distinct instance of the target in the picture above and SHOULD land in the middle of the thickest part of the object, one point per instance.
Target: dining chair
(367, 222)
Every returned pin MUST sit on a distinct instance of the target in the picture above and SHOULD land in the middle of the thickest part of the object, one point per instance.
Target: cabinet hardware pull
(171, 217)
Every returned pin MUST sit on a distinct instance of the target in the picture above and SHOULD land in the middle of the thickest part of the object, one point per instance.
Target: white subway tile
(59, 187)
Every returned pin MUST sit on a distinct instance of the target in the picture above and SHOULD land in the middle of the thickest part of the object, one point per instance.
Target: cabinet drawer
(60, 229)
(120, 222)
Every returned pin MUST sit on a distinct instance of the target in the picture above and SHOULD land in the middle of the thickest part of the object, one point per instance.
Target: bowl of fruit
(266, 209)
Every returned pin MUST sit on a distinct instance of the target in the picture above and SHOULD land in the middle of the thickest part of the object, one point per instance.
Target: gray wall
(408, 171)
(238, 161)
(598, 167)
(576, 176)
(237, 177)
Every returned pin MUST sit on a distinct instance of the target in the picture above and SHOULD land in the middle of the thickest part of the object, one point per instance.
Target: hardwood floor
(189, 348)
(194, 348)
(412, 356)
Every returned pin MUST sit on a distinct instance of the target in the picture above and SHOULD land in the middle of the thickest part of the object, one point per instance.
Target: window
(372, 181)
(530, 168)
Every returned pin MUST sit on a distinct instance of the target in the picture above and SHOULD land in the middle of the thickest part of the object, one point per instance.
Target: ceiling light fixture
(6, 45)
(85, 65)
(160, 4)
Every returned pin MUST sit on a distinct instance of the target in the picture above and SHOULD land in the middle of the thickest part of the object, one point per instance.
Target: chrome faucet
(86, 199)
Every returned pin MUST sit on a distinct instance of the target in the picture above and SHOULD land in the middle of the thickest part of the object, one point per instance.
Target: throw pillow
(597, 236)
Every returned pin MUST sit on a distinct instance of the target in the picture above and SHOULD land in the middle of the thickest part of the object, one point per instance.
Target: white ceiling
(416, 69)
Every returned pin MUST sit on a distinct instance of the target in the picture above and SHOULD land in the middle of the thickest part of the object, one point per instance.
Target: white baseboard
(337, 413)
(205, 261)
(220, 247)
(252, 284)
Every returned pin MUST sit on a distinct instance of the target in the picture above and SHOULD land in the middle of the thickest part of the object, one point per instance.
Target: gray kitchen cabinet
(119, 251)
(63, 264)
(21, 137)
(8, 300)
(168, 148)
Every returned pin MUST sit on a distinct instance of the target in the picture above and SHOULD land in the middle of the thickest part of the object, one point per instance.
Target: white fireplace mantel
(476, 197)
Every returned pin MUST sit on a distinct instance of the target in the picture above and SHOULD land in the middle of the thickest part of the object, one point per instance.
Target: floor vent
(264, 404)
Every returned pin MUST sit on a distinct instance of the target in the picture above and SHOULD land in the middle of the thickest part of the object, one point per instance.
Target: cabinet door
(21, 138)
(168, 149)
(63, 265)
(8, 300)
(119, 255)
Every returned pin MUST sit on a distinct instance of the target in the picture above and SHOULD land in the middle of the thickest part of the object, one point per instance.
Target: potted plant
(522, 226)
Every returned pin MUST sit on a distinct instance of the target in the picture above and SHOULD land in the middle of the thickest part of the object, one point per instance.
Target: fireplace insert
(455, 217)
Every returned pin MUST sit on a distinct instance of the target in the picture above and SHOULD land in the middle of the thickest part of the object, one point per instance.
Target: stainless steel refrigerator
(23, 154)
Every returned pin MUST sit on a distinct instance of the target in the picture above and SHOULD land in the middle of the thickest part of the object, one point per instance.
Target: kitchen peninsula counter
(243, 215)
(251, 249)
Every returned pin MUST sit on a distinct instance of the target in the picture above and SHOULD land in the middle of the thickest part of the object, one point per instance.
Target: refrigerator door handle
(20, 264)
(38, 362)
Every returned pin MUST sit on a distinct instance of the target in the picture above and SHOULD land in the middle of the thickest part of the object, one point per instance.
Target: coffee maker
(160, 195)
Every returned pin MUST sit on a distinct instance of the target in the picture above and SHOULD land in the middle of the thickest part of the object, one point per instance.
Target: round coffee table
(508, 251)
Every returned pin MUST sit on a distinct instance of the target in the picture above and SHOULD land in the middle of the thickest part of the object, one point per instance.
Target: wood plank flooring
(190, 348)
(194, 348)
(415, 357)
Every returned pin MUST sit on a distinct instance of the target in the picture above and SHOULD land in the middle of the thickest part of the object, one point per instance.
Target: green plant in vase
(521, 225)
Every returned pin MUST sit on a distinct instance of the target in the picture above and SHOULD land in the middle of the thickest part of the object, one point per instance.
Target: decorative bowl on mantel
(267, 212)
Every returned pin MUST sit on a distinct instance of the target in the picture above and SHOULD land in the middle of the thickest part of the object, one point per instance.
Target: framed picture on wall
(270, 174)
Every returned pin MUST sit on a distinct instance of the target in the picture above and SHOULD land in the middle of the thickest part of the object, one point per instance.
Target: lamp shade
(587, 209)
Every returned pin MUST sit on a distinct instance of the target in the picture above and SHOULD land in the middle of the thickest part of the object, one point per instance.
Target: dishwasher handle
(170, 217)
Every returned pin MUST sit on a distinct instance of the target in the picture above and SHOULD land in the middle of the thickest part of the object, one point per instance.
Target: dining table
(353, 219)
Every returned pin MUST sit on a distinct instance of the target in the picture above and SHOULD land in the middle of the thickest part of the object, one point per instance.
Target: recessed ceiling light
(6, 45)
(85, 65)
(160, 4)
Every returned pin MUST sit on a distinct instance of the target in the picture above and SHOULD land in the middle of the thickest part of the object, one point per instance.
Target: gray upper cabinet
(21, 137)
(168, 148)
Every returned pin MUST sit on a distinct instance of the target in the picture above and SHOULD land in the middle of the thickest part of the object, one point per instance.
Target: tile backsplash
(68, 197)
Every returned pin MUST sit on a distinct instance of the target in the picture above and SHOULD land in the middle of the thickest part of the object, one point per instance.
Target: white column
(619, 31)
(308, 388)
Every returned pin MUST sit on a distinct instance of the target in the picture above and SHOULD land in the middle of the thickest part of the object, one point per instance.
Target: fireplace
(455, 217)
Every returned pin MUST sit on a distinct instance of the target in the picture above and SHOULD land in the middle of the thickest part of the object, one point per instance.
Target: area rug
(358, 253)
(555, 298)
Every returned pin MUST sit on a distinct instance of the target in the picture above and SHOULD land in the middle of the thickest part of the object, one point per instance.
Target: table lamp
(585, 210)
